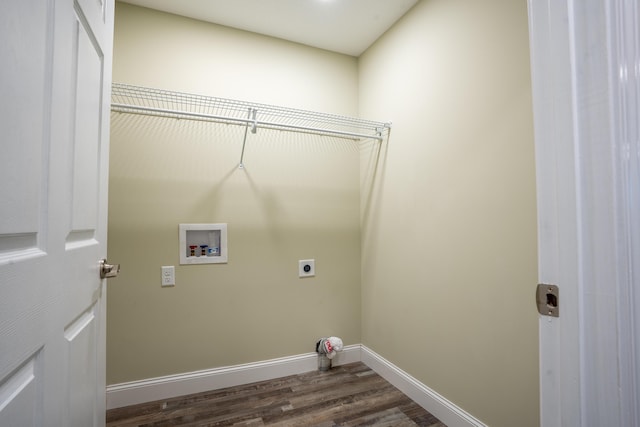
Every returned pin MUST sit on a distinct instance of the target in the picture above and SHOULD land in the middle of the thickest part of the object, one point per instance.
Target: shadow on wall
(204, 157)
(373, 155)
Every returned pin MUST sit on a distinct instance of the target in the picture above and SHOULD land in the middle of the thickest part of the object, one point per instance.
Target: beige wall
(449, 261)
(297, 198)
(429, 246)
(169, 52)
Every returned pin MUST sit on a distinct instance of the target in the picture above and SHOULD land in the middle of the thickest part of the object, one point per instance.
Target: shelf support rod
(254, 124)
(246, 129)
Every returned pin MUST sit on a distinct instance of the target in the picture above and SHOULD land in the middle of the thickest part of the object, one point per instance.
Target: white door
(585, 60)
(54, 126)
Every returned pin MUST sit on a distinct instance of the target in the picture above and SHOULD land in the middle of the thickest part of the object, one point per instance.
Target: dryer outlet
(306, 268)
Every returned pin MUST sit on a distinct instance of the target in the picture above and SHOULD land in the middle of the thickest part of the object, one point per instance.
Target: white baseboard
(148, 390)
(132, 393)
(443, 409)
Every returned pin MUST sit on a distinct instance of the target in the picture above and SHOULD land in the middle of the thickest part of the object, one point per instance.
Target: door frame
(586, 89)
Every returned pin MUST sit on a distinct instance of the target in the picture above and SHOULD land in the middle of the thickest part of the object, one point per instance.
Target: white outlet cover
(168, 275)
(306, 268)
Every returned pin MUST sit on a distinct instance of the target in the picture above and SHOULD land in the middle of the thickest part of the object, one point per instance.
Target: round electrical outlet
(306, 268)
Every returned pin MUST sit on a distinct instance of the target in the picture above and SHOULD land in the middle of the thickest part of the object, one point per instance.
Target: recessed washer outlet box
(203, 243)
(306, 268)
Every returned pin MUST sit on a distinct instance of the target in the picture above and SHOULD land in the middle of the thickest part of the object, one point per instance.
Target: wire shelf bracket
(132, 99)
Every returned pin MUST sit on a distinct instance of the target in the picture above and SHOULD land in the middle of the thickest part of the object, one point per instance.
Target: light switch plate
(306, 268)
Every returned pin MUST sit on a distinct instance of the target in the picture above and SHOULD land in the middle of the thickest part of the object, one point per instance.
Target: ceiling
(344, 26)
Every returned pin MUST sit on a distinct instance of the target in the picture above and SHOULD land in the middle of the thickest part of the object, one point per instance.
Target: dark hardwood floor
(348, 395)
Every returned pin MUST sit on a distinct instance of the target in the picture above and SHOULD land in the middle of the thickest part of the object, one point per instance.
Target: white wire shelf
(156, 102)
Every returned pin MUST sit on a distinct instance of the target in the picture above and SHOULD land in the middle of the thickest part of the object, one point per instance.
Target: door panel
(86, 139)
(53, 186)
(25, 101)
(81, 337)
(95, 13)
(19, 403)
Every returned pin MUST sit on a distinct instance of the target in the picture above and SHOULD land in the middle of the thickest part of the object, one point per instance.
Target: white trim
(132, 393)
(586, 88)
(148, 390)
(443, 409)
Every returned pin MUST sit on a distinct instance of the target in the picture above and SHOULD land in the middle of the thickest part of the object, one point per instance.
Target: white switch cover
(168, 275)
(306, 268)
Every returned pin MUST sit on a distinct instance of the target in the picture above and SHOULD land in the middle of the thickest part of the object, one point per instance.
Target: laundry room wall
(449, 253)
(297, 198)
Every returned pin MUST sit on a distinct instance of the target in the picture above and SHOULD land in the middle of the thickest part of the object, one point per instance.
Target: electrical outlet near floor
(306, 268)
(168, 275)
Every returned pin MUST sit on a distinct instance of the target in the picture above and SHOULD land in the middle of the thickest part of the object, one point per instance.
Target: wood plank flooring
(348, 395)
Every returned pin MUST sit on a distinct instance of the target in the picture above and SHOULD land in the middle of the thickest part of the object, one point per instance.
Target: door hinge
(548, 300)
